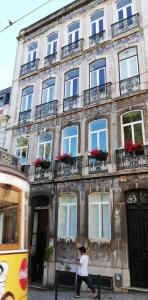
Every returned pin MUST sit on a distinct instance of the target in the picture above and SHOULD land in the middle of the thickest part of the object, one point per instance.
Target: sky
(13, 10)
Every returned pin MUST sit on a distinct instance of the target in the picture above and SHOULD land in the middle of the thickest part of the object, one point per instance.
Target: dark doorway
(137, 223)
(38, 244)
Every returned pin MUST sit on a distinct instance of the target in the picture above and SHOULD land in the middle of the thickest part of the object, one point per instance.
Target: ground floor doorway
(137, 225)
(38, 244)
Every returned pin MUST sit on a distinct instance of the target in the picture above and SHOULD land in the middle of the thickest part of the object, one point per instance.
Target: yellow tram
(14, 195)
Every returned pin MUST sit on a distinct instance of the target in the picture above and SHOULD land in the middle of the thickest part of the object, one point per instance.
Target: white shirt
(83, 268)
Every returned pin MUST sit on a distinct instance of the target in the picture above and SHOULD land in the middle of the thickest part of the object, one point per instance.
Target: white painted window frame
(67, 206)
(69, 138)
(44, 144)
(98, 135)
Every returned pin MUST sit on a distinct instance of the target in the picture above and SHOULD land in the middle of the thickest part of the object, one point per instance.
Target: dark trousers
(86, 279)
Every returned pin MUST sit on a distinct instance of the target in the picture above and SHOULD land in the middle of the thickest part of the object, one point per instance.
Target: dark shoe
(76, 296)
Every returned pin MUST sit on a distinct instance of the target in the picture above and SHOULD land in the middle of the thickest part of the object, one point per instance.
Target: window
(71, 83)
(9, 215)
(132, 127)
(2, 100)
(32, 51)
(67, 216)
(27, 98)
(97, 73)
(45, 144)
(128, 62)
(124, 9)
(98, 135)
(99, 216)
(70, 140)
(22, 149)
(73, 32)
(48, 90)
(52, 43)
(97, 22)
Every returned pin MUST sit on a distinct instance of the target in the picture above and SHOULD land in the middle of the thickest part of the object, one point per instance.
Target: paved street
(67, 295)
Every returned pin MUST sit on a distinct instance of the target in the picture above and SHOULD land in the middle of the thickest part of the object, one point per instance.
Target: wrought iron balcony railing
(8, 158)
(46, 109)
(129, 85)
(131, 160)
(72, 48)
(71, 103)
(43, 173)
(97, 94)
(96, 38)
(125, 25)
(50, 59)
(24, 116)
(69, 167)
(96, 165)
(29, 67)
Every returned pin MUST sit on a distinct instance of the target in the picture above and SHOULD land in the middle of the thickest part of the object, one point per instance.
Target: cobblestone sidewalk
(68, 295)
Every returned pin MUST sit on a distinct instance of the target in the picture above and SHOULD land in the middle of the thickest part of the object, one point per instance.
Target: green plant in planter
(48, 253)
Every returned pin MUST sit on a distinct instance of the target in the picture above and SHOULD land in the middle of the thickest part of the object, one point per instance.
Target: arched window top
(99, 197)
(70, 131)
(74, 26)
(22, 142)
(98, 64)
(72, 74)
(98, 124)
(132, 116)
(52, 37)
(28, 90)
(49, 82)
(97, 15)
(32, 46)
(68, 198)
(122, 3)
(127, 53)
(45, 137)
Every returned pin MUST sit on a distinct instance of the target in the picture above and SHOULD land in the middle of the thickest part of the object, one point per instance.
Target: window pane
(48, 83)
(123, 69)
(102, 141)
(120, 15)
(72, 74)
(23, 108)
(133, 116)
(48, 151)
(129, 11)
(133, 66)
(41, 150)
(24, 156)
(101, 76)
(18, 152)
(99, 64)
(75, 87)
(22, 142)
(52, 37)
(72, 221)
(28, 90)
(98, 125)
(66, 146)
(73, 146)
(51, 94)
(33, 46)
(45, 137)
(93, 141)
(101, 27)
(138, 133)
(69, 198)
(127, 53)
(62, 228)
(105, 221)
(122, 3)
(76, 35)
(127, 133)
(44, 95)
(54, 46)
(93, 28)
(97, 15)
(29, 102)
(93, 79)
(70, 131)
(94, 220)
(105, 197)
(68, 88)
(73, 26)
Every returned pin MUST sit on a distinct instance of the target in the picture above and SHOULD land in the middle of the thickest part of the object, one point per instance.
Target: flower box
(134, 149)
(42, 163)
(65, 158)
(98, 154)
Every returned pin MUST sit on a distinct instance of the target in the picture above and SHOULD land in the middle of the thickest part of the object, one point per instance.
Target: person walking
(82, 274)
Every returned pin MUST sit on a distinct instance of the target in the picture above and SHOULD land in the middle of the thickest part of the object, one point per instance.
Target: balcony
(24, 116)
(46, 109)
(71, 103)
(97, 94)
(29, 67)
(7, 158)
(131, 160)
(96, 166)
(43, 173)
(70, 167)
(96, 39)
(50, 59)
(129, 85)
(125, 25)
(72, 48)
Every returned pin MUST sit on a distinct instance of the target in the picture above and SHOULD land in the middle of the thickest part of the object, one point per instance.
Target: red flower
(38, 162)
(64, 156)
(130, 147)
(95, 153)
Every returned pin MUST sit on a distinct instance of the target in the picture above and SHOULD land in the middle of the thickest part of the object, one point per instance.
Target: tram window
(9, 208)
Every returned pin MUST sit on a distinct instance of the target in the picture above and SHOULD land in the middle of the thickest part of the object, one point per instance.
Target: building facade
(4, 113)
(79, 125)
